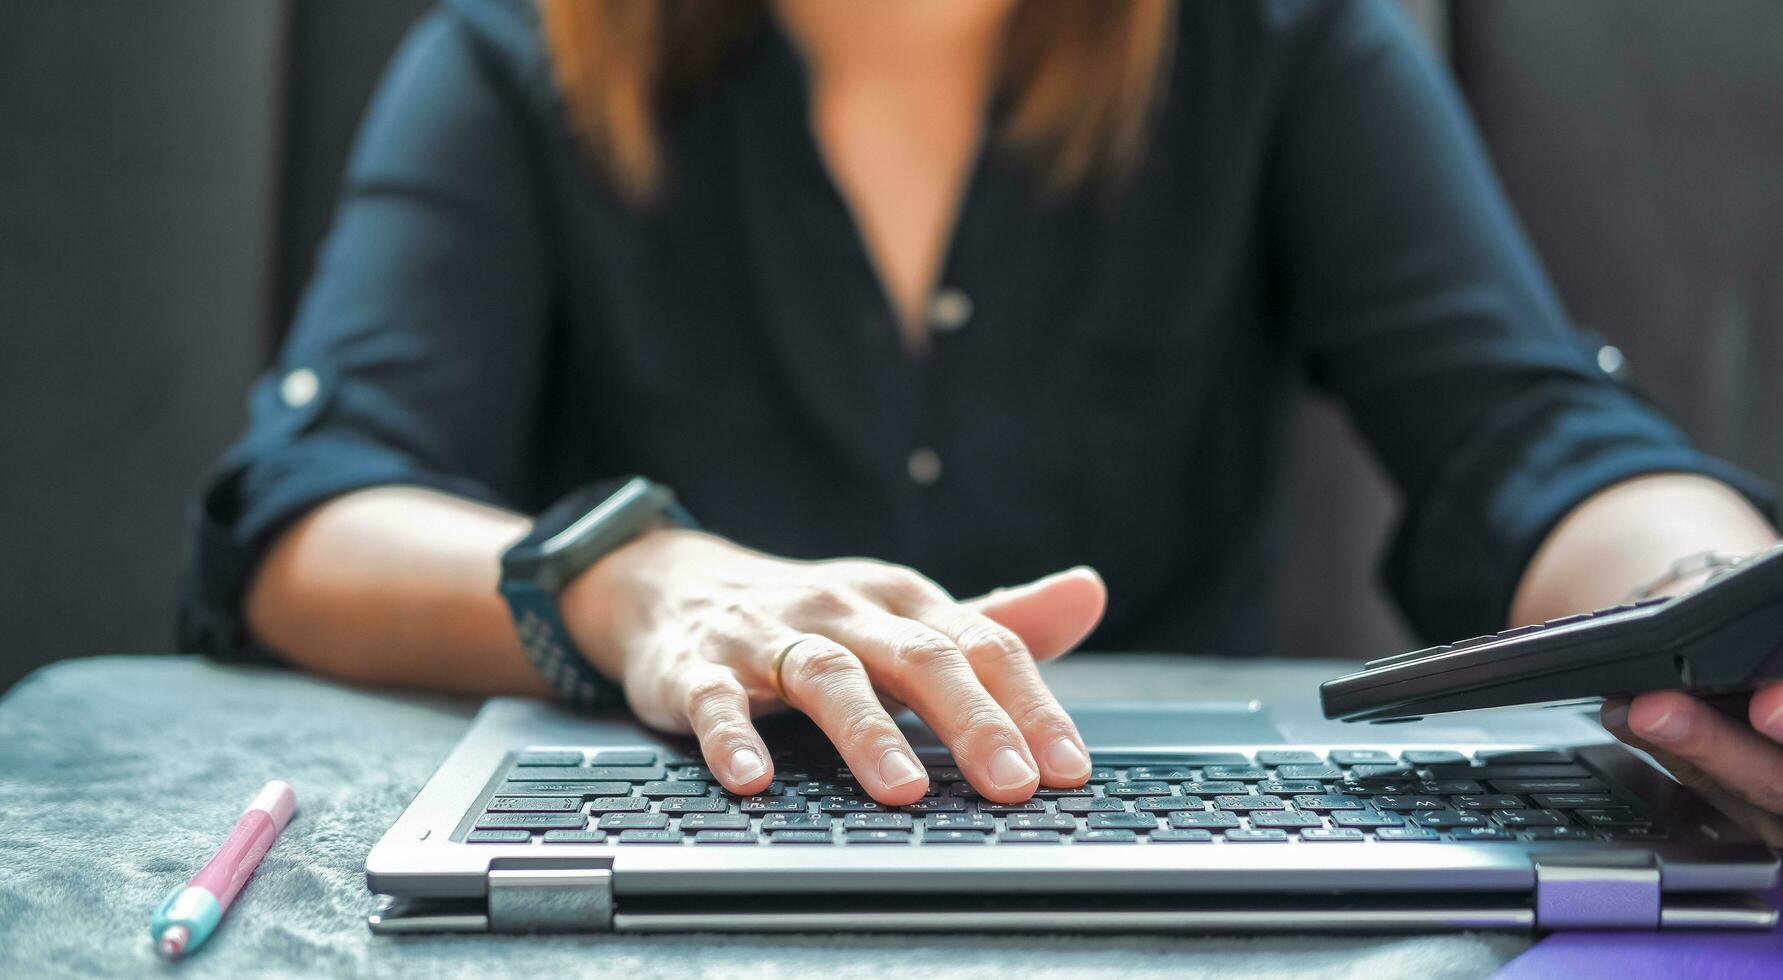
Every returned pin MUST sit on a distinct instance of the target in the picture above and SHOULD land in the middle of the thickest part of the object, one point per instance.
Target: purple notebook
(1638, 955)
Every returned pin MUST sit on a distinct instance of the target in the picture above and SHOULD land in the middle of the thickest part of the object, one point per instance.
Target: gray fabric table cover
(120, 775)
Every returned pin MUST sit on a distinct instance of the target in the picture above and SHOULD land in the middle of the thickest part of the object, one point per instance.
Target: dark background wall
(135, 152)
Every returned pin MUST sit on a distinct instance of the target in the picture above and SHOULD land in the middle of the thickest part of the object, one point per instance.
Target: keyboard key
(1358, 757)
(935, 806)
(1384, 770)
(1487, 802)
(1637, 833)
(1367, 819)
(549, 759)
(694, 804)
(1203, 820)
(1325, 803)
(1564, 785)
(531, 821)
(575, 836)
(1564, 801)
(1404, 803)
(623, 757)
(1132, 790)
(1035, 806)
(497, 837)
(716, 821)
(1310, 771)
(1558, 833)
(1529, 818)
(1445, 819)
(961, 821)
(693, 774)
(1062, 822)
(650, 837)
(847, 804)
(1052, 793)
(877, 821)
(877, 837)
(1147, 773)
(1525, 757)
(1245, 804)
(1449, 787)
(1107, 774)
(1247, 773)
(944, 774)
(1104, 837)
(1167, 804)
(724, 837)
(1213, 787)
(1256, 836)
(1290, 787)
(799, 837)
(954, 837)
(1285, 757)
(618, 804)
(1433, 757)
(631, 774)
(535, 804)
(1086, 804)
(1620, 816)
(633, 821)
(795, 821)
(1028, 837)
(581, 791)
(1291, 819)
(1508, 772)
(1406, 833)
(1317, 834)
(828, 787)
(1482, 833)
(1122, 821)
(580, 774)
(664, 787)
(1181, 836)
(774, 804)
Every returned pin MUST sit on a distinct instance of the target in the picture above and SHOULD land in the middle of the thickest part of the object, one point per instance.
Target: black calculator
(1722, 639)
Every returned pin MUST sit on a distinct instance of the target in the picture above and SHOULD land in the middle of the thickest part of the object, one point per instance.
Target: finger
(717, 710)
(1007, 670)
(827, 682)
(1766, 710)
(1728, 752)
(926, 670)
(1051, 615)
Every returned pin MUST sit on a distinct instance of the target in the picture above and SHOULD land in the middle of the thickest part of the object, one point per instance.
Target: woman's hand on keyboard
(1737, 764)
(693, 624)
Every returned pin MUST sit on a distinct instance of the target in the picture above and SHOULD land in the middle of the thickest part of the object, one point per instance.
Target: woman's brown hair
(1080, 78)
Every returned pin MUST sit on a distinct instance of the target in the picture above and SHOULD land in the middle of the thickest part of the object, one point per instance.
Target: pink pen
(188, 915)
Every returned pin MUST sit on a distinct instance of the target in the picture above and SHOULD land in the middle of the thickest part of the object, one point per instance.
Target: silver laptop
(1199, 817)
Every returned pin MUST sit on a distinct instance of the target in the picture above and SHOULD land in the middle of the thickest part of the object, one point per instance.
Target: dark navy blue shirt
(1109, 376)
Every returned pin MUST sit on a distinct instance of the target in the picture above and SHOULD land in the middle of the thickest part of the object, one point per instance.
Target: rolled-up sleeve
(1411, 295)
(416, 356)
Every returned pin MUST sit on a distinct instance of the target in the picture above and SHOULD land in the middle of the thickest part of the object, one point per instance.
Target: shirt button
(950, 310)
(924, 466)
(299, 387)
(1610, 360)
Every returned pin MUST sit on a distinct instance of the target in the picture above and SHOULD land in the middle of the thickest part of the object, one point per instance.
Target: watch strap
(547, 643)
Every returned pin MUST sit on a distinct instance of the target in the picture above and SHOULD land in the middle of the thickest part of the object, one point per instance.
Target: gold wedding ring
(774, 666)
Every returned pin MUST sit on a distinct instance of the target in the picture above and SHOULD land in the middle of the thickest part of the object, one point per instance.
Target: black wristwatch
(571, 535)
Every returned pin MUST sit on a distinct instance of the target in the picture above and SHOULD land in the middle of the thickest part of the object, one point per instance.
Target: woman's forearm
(1627, 535)
(395, 586)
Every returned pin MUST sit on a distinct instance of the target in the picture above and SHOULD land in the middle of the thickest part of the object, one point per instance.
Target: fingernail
(1615, 715)
(1009, 769)
(896, 768)
(1668, 727)
(1067, 760)
(746, 765)
(1772, 725)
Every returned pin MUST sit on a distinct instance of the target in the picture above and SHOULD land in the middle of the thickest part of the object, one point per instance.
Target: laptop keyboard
(639, 797)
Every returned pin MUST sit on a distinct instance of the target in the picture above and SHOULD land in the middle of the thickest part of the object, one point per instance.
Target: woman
(983, 288)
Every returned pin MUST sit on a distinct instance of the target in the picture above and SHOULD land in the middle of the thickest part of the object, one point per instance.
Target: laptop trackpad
(1149, 727)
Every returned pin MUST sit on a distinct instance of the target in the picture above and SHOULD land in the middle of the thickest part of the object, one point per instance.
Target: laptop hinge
(1581, 895)
(551, 899)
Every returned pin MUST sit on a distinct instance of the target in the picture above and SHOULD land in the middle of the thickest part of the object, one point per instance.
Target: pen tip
(173, 941)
